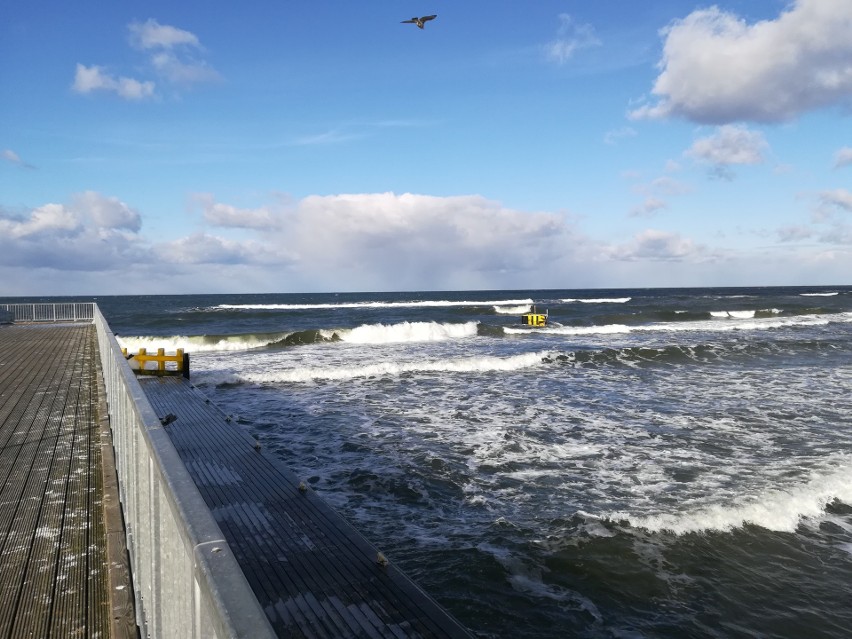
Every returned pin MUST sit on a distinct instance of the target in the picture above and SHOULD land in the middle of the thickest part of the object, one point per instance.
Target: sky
(282, 146)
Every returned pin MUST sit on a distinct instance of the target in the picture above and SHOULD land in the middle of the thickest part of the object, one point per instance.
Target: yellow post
(161, 363)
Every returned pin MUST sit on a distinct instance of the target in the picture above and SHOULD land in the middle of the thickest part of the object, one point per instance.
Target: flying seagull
(419, 21)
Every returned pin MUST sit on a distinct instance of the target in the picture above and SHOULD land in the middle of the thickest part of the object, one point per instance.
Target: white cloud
(430, 234)
(840, 198)
(718, 69)
(729, 145)
(10, 156)
(201, 248)
(153, 35)
(183, 72)
(93, 233)
(651, 206)
(381, 241)
(570, 38)
(173, 53)
(47, 220)
(107, 212)
(843, 157)
(228, 216)
(173, 57)
(794, 233)
(658, 245)
(395, 241)
(94, 78)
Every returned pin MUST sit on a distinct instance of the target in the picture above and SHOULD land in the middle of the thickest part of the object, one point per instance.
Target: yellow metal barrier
(534, 319)
(139, 361)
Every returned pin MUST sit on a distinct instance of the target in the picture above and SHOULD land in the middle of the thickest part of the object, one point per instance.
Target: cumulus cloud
(570, 38)
(397, 241)
(716, 68)
(729, 145)
(843, 157)
(95, 78)
(469, 229)
(47, 220)
(93, 232)
(107, 212)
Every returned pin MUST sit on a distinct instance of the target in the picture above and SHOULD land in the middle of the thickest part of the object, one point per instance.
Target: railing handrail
(187, 581)
(50, 311)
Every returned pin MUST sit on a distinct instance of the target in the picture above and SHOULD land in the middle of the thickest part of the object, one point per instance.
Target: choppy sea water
(653, 463)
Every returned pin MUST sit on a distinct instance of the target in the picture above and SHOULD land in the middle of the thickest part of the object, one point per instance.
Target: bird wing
(425, 18)
(412, 21)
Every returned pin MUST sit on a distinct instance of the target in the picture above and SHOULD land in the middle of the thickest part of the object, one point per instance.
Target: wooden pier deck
(314, 575)
(63, 565)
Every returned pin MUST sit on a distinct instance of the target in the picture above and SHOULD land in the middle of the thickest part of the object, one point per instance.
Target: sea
(651, 463)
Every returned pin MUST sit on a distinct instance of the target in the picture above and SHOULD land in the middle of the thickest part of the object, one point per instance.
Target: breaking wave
(513, 310)
(200, 343)
(469, 365)
(407, 332)
(776, 509)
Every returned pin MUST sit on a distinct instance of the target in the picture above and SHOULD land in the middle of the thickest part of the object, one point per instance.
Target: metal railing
(50, 312)
(186, 580)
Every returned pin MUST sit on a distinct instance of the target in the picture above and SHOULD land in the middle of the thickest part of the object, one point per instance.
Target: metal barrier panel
(51, 312)
(186, 580)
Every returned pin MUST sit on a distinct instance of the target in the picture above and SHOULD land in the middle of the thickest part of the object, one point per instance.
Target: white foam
(733, 314)
(513, 310)
(197, 343)
(776, 509)
(607, 329)
(468, 365)
(818, 294)
(412, 304)
(598, 300)
(407, 332)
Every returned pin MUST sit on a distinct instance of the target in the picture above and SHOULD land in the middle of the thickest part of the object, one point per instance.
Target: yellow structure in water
(534, 319)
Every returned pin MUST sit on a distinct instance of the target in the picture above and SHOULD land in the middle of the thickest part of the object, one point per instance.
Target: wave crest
(778, 510)
(407, 332)
(383, 369)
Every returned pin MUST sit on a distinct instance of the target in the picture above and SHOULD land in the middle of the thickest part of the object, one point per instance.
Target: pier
(63, 558)
(134, 505)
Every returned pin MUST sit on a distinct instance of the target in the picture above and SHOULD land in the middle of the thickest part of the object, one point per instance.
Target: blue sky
(299, 147)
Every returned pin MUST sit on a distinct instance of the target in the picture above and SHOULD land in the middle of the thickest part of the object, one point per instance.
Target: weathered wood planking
(313, 573)
(53, 551)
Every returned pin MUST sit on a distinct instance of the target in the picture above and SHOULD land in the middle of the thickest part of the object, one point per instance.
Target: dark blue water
(653, 463)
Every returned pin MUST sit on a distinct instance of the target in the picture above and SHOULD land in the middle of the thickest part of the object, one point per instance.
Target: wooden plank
(35, 524)
(52, 533)
(121, 604)
(312, 572)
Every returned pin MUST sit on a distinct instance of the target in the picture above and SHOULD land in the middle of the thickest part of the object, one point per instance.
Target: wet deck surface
(55, 516)
(314, 575)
